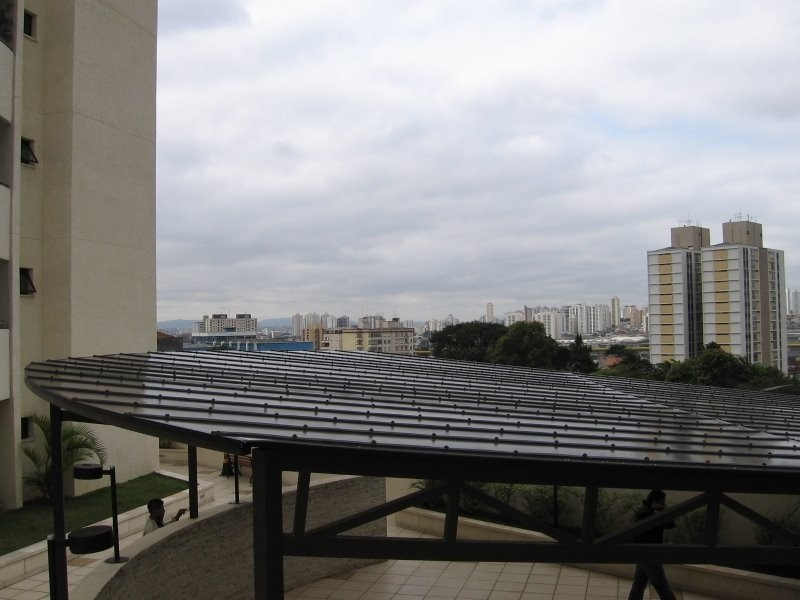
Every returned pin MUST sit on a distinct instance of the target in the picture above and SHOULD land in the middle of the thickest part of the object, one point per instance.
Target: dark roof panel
(238, 400)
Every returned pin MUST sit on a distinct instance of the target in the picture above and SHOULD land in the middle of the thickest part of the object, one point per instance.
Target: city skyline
(499, 314)
(421, 159)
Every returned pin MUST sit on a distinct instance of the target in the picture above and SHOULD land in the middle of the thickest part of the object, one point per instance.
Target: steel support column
(589, 514)
(712, 519)
(57, 550)
(301, 503)
(236, 479)
(451, 517)
(194, 505)
(267, 526)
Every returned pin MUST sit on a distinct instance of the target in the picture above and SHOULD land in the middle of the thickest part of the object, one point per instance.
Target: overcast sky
(423, 158)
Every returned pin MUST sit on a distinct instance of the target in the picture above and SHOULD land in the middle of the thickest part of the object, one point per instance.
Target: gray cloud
(175, 16)
(426, 158)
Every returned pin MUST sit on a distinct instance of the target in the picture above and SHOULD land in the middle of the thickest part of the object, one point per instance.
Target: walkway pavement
(395, 579)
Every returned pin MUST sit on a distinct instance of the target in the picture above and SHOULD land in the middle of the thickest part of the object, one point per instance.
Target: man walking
(654, 573)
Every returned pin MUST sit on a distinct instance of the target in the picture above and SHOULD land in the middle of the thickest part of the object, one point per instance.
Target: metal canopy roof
(239, 400)
(453, 422)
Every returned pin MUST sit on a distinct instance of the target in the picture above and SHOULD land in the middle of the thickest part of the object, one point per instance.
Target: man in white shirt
(156, 519)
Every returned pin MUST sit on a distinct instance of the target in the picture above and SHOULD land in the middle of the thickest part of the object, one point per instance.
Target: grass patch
(34, 522)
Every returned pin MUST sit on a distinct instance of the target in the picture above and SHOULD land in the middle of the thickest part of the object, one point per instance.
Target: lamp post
(95, 471)
(86, 540)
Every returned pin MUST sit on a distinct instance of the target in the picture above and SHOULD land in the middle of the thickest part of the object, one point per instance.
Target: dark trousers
(657, 578)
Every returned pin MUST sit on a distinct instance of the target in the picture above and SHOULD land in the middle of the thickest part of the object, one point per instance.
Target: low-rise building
(391, 339)
(219, 328)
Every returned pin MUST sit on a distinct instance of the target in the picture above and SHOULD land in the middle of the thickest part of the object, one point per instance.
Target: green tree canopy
(466, 341)
(528, 345)
(715, 367)
(580, 357)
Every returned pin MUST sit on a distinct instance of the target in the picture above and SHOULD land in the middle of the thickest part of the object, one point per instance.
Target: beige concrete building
(675, 296)
(314, 334)
(77, 204)
(731, 293)
(391, 340)
(744, 296)
(220, 328)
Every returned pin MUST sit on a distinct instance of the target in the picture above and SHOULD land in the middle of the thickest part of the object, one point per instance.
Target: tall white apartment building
(598, 318)
(616, 310)
(588, 318)
(489, 312)
(77, 206)
(553, 322)
(577, 319)
(516, 316)
(434, 325)
(731, 293)
(298, 324)
(795, 302)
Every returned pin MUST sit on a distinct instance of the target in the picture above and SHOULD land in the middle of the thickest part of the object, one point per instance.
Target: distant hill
(187, 324)
(175, 324)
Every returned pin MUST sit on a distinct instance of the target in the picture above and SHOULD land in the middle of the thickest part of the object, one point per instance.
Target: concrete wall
(83, 218)
(213, 557)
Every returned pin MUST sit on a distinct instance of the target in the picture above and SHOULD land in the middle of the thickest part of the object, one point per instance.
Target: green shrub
(504, 492)
(614, 509)
(790, 520)
(691, 528)
(538, 502)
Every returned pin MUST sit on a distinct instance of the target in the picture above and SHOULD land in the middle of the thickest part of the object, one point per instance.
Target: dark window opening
(26, 287)
(27, 155)
(26, 431)
(29, 24)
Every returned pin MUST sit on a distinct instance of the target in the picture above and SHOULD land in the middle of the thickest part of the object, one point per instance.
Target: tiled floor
(398, 579)
(426, 580)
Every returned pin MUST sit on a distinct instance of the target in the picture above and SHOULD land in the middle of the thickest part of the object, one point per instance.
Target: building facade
(795, 302)
(616, 311)
(394, 340)
(732, 294)
(744, 296)
(516, 316)
(77, 206)
(675, 295)
(553, 322)
(220, 328)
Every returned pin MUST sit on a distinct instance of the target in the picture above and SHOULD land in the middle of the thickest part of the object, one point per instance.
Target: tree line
(527, 344)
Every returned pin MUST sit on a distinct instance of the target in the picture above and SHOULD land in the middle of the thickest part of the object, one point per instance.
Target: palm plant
(78, 442)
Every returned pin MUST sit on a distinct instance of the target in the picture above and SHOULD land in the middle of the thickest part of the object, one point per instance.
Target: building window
(27, 155)
(25, 429)
(29, 24)
(26, 287)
